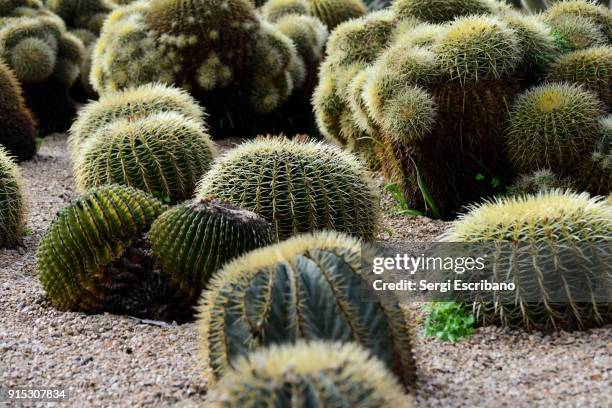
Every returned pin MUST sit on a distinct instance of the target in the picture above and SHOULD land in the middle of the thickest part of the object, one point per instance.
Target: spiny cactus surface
(547, 224)
(297, 187)
(307, 288)
(310, 374)
(12, 203)
(164, 154)
(193, 240)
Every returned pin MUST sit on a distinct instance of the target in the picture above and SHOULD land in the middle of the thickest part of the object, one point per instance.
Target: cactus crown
(326, 267)
(297, 187)
(598, 14)
(164, 154)
(11, 202)
(131, 104)
(289, 373)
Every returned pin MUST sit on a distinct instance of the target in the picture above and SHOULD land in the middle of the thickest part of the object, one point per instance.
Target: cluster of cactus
(330, 12)
(11, 202)
(18, 128)
(557, 243)
(422, 91)
(237, 64)
(297, 187)
(310, 287)
(318, 374)
(46, 59)
(151, 137)
(114, 249)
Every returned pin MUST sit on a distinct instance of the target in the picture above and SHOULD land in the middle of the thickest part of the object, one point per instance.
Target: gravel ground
(109, 360)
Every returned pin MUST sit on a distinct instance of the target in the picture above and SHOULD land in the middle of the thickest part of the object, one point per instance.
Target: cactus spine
(11, 202)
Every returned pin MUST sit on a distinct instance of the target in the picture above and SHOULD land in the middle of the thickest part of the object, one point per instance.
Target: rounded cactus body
(12, 203)
(574, 33)
(553, 126)
(545, 223)
(539, 181)
(131, 104)
(310, 374)
(33, 60)
(297, 187)
(599, 15)
(84, 14)
(273, 10)
(440, 11)
(334, 12)
(193, 240)
(306, 288)
(92, 257)
(18, 128)
(591, 68)
(595, 170)
(164, 154)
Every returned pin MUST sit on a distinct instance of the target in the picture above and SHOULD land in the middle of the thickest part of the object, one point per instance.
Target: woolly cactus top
(358, 378)
(555, 215)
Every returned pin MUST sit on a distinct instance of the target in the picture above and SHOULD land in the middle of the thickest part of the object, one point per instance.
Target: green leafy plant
(431, 210)
(448, 321)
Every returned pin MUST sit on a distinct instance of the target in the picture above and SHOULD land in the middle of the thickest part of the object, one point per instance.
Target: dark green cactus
(439, 11)
(297, 187)
(317, 373)
(11, 202)
(595, 171)
(539, 181)
(553, 126)
(335, 12)
(192, 240)
(591, 68)
(94, 257)
(307, 288)
(18, 128)
(85, 14)
(164, 154)
(549, 231)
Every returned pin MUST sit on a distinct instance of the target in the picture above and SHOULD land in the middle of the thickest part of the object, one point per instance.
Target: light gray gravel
(109, 360)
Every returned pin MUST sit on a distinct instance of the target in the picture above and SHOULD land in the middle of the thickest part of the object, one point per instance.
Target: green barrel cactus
(591, 68)
(601, 16)
(164, 154)
(595, 170)
(310, 374)
(46, 60)
(193, 240)
(539, 181)
(273, 10)
(84, 14)
(235, 63)
(18, 128)
(335, 12)
(553, 126)
(574, 33)
(544, 224)
(12, 203)
(95, 257)
(310, 287)
(297, 187)
(440, 11)
(131, 104)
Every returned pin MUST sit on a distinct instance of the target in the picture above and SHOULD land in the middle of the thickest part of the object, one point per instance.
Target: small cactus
(11, 202)
(17, 129)
(601, 16)
(546, 223)
(164, 154)
(84, 14)
(297, 187)
(595, 171)
(94, 257)
(335, 12)
(273, 10)
(539, 181)
(192, 240)
(553, 126)
(574, 33)
(440, 11)
(591, 68)
(306, 288)
(132, 103)
(343, 375)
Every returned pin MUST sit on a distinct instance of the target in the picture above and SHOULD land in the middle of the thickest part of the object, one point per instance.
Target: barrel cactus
(330, 12)
(11, 202)
(164, 154)
(238, 65)
(595, 170)
(297, 187)
(17, 130)
(46, 59)
(192, 240)
(549, 237)
(83, 14)
(600, 15)
(132, 103)
(307, 288)
(95, 257)
(574, 33)
(539, 181)
(591, 67)
(439, 11)
(553, 126)
(318, 374)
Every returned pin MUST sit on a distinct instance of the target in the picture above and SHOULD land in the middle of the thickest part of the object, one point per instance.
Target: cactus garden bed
(113, 360)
